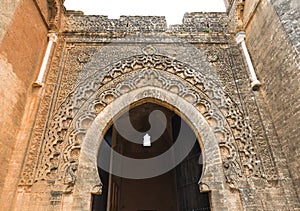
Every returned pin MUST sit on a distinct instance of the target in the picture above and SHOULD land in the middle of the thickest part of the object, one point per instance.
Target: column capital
(240, 37)
(52, 36)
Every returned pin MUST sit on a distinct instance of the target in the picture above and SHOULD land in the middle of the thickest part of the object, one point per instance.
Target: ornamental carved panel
(90, 77)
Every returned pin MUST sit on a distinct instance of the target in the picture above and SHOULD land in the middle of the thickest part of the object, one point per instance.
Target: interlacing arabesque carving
(32, 156)
(69, 124)
(76, 57)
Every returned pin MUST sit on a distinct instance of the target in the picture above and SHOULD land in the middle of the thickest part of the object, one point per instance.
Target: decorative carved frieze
(38, 132)
(69, 124)
(92, 76)
(257, 124)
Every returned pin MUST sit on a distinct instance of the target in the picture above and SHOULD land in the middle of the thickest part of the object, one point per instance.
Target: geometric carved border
(59, 158)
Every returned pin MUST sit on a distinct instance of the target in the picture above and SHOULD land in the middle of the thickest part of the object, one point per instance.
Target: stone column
(240, 39)
(52, 38)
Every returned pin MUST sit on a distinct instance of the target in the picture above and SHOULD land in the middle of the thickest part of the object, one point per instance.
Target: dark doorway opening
(175, 190)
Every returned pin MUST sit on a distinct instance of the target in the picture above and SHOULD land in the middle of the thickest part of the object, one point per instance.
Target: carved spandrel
(234, 166)
(63, 136)
(75, 59)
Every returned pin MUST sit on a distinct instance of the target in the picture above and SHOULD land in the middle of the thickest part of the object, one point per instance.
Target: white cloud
(173, 10)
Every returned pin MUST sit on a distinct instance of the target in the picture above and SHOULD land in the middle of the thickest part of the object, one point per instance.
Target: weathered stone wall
(289, 15)
(94, 57)
(249, 10)
(76, 22)
(195, 67)
(21, 52)
(273, 42)
(7, 11)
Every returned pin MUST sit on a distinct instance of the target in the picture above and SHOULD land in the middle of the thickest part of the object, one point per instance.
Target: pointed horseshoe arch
(135, 79)
(88, 179)
(95, 92)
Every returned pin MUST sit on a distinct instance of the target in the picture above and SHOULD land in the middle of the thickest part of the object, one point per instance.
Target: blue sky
(173, 10)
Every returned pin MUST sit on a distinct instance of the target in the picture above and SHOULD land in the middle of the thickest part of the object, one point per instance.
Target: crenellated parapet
(76, 22)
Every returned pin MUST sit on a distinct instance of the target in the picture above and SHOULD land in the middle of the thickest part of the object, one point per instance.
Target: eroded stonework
(98, 61)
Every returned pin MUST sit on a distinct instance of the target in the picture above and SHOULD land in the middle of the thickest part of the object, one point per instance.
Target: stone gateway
(131, 114)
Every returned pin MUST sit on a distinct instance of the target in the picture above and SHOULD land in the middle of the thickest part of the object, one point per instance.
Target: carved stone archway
(65, 136)
(96, 92)
(88, 180)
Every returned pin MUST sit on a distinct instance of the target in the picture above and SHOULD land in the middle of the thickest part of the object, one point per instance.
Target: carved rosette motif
(65, 133)
(75, 58)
